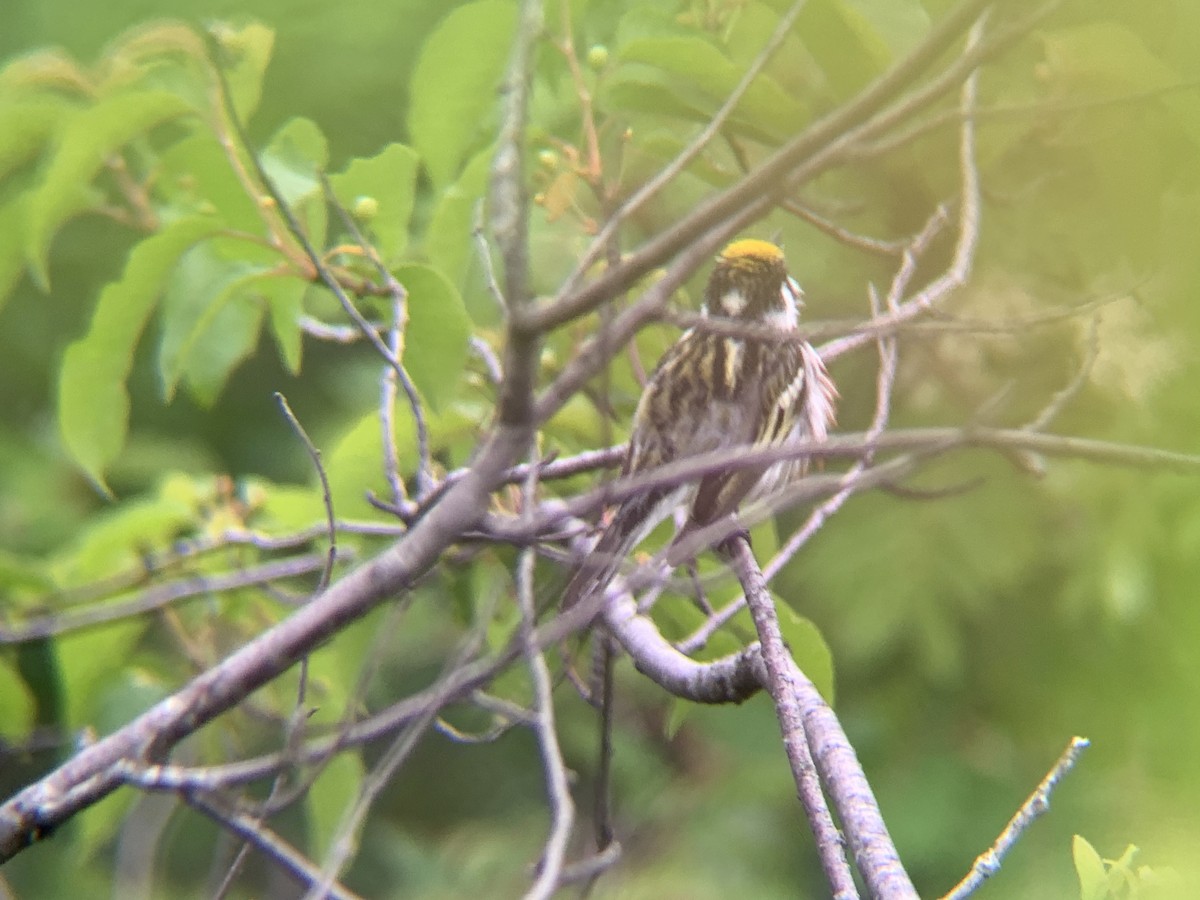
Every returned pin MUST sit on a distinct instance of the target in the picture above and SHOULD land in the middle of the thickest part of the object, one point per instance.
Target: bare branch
(779, 684)
(159, 596)
(326, 495)
(988, 863)
(676, 166)
(275, 848)
(394, 374)
(562, 807)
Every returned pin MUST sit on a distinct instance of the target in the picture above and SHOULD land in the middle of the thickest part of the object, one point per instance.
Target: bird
(716, 389)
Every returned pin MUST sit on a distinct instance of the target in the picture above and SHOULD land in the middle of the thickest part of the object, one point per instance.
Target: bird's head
(750, 283)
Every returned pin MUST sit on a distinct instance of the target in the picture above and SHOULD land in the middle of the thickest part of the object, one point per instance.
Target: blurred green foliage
(148, 310)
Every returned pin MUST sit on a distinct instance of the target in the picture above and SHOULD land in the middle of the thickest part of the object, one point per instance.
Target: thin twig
(275, 848)
(672, 169)
(1069, 391)
(396, 372)
(153, 598)
(326, 494)
(874, 246)
(988, 863)
(804, 157)
(562, 807)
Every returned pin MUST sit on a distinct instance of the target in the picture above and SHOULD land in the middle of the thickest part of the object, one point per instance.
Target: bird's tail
(634, 518)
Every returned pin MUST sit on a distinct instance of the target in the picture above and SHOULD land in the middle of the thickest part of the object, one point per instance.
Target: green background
(972, 635)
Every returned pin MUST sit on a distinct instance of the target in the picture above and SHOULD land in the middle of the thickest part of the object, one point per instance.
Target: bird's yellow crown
(751, 248)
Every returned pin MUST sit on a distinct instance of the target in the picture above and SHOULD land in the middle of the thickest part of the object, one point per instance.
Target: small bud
(597, 57)
(366, 208)
(548, 159)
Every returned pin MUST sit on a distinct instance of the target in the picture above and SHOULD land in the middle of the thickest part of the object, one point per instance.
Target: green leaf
(294, 160)
(701, 75)
(194, 176)
(331, 795)
(156, 54)
(678, 711)
(83, 146)
(897, 24)
(448, 238)
(245, 53)
(19, 575)
(1106, 60)
(639, 88)
(100, 827)
(390, 179)
(285, 303)
(435, 342)
(12, 254)
(808, 647)
(53, 69)
(16, 704)
(93, 404)
(117, 539)
(295, 157)
(211, 319)
(454, 84)
(290, 508)
(1093, 877)
(355, 466)
(25, 127)
(845, 42)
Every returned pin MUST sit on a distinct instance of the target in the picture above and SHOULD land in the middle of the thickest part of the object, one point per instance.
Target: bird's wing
(767, 423)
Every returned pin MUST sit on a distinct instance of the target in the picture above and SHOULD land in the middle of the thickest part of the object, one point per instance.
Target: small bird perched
(713, 392)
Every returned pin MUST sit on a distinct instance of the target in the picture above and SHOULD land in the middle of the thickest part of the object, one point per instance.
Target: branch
(988, 863)
(270, 844)
(562, 807)
(760, 188)
(672, 169)
(39, 808)
(159, 596)
(510, 224)
(782, 688)
(731, 679)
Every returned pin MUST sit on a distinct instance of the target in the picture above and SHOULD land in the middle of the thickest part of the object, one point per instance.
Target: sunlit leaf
(26, 126)
(846, 43)
(389, 178)
(1108, 60)
(195, 176)
(12, 253)
(285, 302)
(294, 157)
(93, 404)
(157, 53)
(355, 465)
(118, 539)
(697, 66)
(435, 345)
(89, 139)
(1093, 878)
(809, 649)
(44, 69)
(245, 53)
(454, 85)
(448, 238)
(210, 320)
